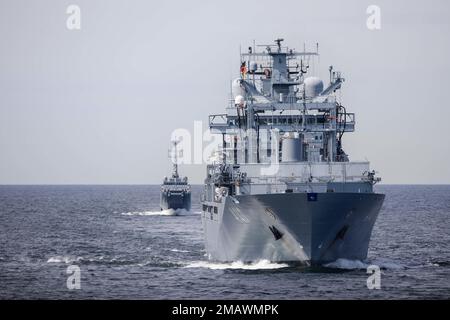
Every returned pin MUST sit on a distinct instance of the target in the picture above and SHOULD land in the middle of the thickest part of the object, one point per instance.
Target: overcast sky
(98, 105)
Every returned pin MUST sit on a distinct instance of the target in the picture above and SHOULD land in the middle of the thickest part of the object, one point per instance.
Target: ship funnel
(292, 148)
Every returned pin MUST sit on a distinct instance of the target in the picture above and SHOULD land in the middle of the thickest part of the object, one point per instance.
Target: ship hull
(179, 200)
(308, 228)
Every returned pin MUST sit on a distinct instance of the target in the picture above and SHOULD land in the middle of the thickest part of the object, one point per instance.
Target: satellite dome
(313, 86)
(239, 100)
(237, 88)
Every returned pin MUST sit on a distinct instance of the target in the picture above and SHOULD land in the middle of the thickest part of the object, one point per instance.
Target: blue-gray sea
(126, 248)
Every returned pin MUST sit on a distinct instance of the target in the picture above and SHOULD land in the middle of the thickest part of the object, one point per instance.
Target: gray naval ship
(175, 191)
(281, 186)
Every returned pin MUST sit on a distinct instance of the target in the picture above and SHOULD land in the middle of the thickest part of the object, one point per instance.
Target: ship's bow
(307, 227)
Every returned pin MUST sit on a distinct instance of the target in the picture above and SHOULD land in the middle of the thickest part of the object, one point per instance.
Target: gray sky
(98, 105)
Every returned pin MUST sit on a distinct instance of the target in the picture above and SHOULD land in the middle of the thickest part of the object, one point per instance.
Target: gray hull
(175, 200)
(310, 228)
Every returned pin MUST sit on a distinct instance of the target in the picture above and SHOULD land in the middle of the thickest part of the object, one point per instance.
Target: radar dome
(237, 88)
(239, 100)
(313, 86)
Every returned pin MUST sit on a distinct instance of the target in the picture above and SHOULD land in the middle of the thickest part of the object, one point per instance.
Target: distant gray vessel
(281, 187)
(175, 191)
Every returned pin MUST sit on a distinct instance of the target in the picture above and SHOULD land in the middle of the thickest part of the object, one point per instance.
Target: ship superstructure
(283, 188)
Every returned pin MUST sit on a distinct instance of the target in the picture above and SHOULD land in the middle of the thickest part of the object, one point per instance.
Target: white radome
(239, 100)
(237, 88)
(313, 86)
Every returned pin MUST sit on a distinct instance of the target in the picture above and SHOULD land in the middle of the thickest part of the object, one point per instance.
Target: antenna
(331, 73)
(240, 52)
(231, 91)
(317, 52)
(278, 42)
(175, 164)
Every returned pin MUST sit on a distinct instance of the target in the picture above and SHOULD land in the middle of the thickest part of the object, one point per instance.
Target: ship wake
(236, 265)
(167, 212)
(347, 264)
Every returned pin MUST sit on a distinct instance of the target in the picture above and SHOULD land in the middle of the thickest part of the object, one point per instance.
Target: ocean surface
(126, 248)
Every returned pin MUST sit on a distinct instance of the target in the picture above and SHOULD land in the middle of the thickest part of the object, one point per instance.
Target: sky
(98, 105)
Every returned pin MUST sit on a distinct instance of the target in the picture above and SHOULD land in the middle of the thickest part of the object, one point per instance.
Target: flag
(243, 70)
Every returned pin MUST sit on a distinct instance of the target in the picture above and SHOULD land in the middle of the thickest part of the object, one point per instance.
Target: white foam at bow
(347, 264)
(357, 264)
(258, 265)
(168, 212)
(62, 259)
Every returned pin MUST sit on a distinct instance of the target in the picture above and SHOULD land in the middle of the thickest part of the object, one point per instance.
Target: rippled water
(126, 248)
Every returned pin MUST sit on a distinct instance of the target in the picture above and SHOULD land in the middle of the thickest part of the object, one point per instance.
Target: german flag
(243, 70)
